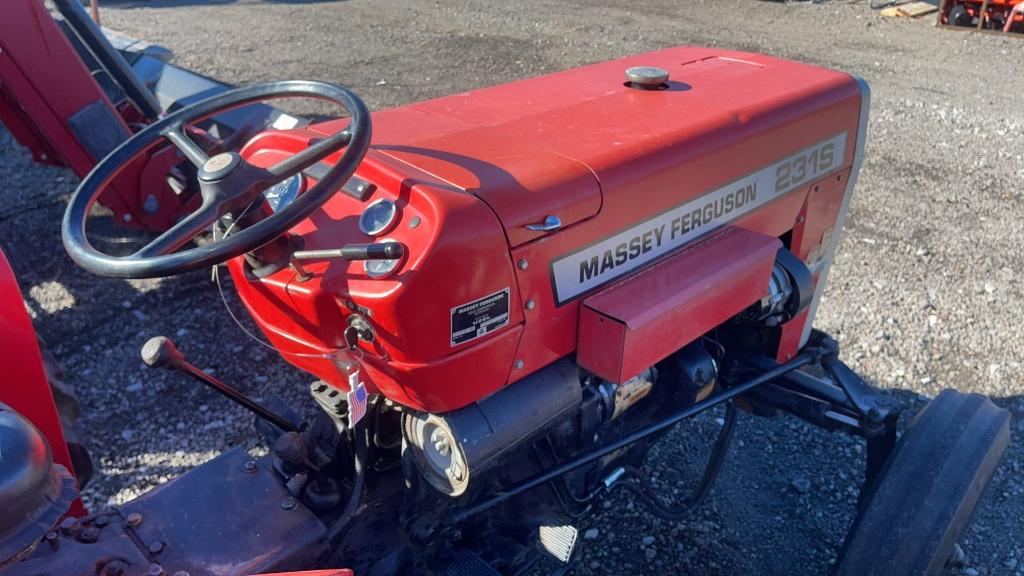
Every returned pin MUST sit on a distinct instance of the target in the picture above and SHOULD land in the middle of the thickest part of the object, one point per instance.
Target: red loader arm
(48, 99)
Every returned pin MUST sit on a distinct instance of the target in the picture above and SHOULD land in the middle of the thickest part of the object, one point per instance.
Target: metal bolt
(151, 205)
(89, 535)
(817, 188)
(70, 526)
(530, 304)
(134, 519)
(181, 573)
(101, 521)
(126, 217)
(523, 264)
(250, 466)
(519, 364)
(289, 503)
(114, 568)
(156, 547)
(800, 219)
(156, 570)
(414, 222)
(53, 539)
(440, 440)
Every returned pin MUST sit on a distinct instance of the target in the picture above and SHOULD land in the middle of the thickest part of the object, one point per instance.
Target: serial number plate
(475, 319)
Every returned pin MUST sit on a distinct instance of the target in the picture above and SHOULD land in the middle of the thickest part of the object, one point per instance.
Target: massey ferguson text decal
(608, 259)
(474, 319)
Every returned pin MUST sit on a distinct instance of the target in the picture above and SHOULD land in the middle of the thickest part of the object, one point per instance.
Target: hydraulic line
(640, 485)
(802, 359)
(359, 438)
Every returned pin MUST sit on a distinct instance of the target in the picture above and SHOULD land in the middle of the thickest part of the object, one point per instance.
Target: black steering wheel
(226, 183)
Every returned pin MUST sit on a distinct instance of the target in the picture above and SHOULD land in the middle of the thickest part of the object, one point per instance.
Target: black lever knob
(374, 251)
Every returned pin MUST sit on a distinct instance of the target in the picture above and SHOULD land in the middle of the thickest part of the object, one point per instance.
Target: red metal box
(639, 321)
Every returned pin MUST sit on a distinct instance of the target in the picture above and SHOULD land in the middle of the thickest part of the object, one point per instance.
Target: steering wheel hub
(219, 166)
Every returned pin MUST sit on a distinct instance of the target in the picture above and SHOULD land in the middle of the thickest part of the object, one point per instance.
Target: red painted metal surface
(468, 171)
(342, 572)
(639, 321)
(811, 235)
(24, 386)
(43, 84)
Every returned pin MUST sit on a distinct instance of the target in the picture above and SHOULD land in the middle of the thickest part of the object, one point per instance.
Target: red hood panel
(548, 145)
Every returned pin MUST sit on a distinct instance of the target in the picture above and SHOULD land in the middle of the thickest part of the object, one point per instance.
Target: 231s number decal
(805, 166)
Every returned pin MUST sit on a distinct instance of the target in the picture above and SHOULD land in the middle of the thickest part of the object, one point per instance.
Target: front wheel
(924, 498)
(68, 409)
(958, 16)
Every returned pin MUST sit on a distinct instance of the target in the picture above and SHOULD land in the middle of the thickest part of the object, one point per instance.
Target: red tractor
(1002, 15)
(505, 297)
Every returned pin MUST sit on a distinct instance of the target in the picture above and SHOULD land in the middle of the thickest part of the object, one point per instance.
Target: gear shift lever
(160, 352)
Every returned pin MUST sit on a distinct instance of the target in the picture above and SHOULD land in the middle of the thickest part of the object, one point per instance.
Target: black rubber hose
(359, 481)
(674, 512)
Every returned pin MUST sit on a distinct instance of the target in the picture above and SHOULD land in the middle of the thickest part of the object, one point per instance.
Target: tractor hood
(554, 145)
(519, 178)
(517, 203)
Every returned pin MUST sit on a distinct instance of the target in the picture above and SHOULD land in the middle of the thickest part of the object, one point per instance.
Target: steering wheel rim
(164, 260)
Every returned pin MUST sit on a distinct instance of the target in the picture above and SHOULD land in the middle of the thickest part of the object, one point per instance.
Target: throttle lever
(374, 251)
(160, 352)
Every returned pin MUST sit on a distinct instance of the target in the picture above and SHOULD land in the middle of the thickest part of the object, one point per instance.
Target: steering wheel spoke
(175, 133)
(181, 233)
(315, 153)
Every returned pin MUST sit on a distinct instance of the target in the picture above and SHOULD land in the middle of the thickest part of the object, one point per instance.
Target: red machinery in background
(506, 297)
(988, 14)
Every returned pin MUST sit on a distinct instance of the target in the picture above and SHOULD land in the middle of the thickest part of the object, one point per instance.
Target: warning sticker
(475, 319)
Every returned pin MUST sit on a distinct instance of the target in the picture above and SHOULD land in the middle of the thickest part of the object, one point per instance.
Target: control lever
(160, 352)
(374, 251)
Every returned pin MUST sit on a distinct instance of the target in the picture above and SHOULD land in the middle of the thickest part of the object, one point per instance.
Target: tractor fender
(25, 387)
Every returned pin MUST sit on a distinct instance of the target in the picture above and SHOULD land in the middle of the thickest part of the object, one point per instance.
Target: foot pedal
(466, 563)
(558, 541)
(332, 401)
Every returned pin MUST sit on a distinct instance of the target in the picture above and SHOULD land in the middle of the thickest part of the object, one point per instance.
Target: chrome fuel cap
(646, 77)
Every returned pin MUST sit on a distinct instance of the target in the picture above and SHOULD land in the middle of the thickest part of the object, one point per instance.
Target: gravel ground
(925, 294)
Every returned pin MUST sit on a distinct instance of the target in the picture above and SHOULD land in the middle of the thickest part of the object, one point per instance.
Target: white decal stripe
(851, 183)
(587, 269)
